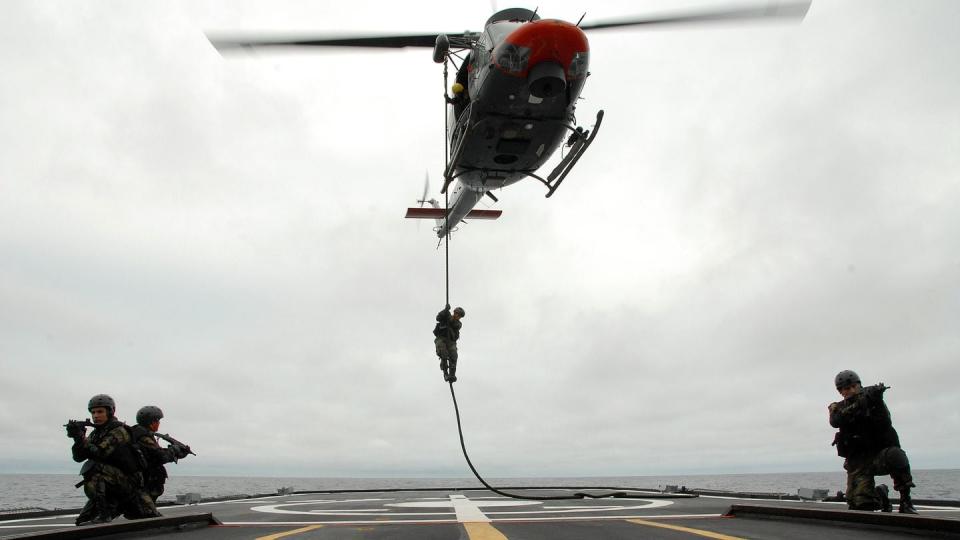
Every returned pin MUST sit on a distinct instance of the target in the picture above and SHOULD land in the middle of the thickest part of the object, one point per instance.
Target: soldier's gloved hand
(76, 431)
(447, 307)
(180, 451)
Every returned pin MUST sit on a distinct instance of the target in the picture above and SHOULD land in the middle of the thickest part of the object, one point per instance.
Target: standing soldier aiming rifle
(112, 470)
(144, 435)
(871, 446)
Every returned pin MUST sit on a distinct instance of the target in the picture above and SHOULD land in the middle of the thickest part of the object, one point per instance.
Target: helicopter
(515, 93)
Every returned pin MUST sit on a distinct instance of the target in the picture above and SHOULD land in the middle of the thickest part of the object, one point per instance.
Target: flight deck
(479, 514)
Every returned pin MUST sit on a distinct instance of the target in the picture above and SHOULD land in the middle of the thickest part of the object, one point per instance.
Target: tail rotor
(426, 188)
(423, 198)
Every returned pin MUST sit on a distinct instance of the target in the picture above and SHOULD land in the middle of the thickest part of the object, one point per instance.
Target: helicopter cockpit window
(513, 14)
(482, 51)
(498, 31)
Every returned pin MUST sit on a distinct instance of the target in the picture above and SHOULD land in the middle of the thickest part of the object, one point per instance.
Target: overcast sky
(764, 206)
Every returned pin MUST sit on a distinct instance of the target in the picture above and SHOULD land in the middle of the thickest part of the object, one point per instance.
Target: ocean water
(50, 491)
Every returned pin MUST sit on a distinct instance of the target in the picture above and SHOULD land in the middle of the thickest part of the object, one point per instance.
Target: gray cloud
(222, 237)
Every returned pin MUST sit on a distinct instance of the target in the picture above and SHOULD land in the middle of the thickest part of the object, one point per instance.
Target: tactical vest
(155, 472)
(869, 432)
(447, 327)
(126, 457)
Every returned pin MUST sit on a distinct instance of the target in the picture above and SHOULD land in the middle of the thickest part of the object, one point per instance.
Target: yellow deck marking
(483, 531)
(698, 532)
(289, 533)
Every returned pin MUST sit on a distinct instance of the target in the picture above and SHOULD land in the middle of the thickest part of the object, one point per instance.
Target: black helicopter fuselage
(522, 80)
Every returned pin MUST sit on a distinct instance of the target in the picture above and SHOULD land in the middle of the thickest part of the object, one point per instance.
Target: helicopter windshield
(513, 14)
(498, 31)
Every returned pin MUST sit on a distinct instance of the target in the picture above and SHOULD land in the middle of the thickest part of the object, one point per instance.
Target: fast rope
(446, 248)
(446, 161)
(578, 495)
(456, 408)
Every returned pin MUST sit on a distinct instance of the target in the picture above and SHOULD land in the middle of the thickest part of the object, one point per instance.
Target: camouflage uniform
(155, 476)
(111, 477)
(871, 447)
(447, 332)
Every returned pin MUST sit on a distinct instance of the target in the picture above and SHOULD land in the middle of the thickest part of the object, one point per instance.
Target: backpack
(136, 460)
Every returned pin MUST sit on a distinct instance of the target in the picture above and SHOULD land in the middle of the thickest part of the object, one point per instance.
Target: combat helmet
(102, 400)
(148, 415)
(846, 378)
(459, 311)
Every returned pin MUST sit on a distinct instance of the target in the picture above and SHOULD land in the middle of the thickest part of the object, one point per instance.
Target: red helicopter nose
(548, 52)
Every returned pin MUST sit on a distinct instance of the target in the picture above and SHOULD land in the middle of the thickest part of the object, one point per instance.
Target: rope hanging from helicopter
(453, 394)
(446, 198)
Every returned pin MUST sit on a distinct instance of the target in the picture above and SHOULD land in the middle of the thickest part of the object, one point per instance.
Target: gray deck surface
(482, 515)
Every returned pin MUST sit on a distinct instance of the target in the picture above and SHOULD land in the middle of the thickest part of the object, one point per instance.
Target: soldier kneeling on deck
(144, 435)
(871, 446)
(112, 470)
(447, 332)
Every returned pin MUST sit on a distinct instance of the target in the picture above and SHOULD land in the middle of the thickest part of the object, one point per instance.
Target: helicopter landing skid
(563, 168)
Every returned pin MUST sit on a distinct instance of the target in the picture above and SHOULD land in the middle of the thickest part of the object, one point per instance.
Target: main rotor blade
(787, 10)
(225, 43)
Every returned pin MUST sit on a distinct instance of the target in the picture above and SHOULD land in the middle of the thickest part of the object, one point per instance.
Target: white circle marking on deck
(449, 504)
(446, 507)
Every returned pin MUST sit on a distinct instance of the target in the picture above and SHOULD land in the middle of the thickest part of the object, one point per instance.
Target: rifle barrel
(171, 440)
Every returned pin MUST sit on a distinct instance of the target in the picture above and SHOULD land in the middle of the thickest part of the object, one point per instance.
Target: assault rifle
(864, 402)
(76, 428)
(877, 389)
(172, 441)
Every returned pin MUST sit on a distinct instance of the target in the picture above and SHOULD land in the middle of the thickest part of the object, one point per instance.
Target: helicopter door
(460, 102)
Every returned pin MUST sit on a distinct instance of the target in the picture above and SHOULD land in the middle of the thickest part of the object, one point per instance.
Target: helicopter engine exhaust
(546, 79)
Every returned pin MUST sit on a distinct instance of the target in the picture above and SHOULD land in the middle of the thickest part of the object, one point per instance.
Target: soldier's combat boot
(906, 505)
(101, 518)
(100, 505)
(884, 493)
(453, 370)
(88, 512)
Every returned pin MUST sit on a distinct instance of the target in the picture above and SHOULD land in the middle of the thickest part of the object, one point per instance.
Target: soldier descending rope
(447, 332)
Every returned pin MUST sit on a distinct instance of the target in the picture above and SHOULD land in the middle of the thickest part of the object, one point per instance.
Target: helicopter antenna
(535, 10)
(581, 18)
